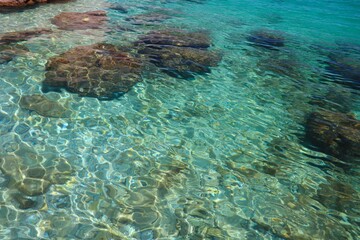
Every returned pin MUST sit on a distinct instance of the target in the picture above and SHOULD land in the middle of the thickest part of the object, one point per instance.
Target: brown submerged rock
(147, 18)
(13, 37)
(334, 133)
(80, 21)
(183, 62)
(19, 3)
(174, 37)
(14, 4)
(9, 52)
(338, 196)
(44, 107)
(266, 38)
(99, 70)
(178, 53)
(345, 69)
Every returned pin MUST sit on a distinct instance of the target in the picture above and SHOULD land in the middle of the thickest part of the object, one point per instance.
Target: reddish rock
(24, 3)
(19, 3)
(13, 37)
(80, 21)
(334, 133)
(99, 70)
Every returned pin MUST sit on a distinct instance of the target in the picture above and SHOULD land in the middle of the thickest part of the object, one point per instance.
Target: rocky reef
(14, 37)
(344, 68)
(147, 18)
(19, 3)
(265, 38)
(44, 106)
(99, 70)
(179, 53)
(334, 133)
(80, 20)
(9, 52)
(8, 6)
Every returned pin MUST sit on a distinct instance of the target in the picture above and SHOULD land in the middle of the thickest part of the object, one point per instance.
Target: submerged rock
(32, 181)
(267, 39)
(34, 186)
(24, 202)
(9, 52)
(334, 133)
(183, 62)
(337, 196)
(147, 18)
(346, 67)
(283, 65)
(8, 5)
(99, 70)
(118, 7)
(174, 37)
(19, 3)
(80, 21)
(178, 53)
(13, 37)
(44, 107)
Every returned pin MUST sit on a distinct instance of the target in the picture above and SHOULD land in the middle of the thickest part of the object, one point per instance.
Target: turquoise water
(221, 155)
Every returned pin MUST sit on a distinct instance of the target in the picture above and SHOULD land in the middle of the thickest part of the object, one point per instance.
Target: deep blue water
(220, 150)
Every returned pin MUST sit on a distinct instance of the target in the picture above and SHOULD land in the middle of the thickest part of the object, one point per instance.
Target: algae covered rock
(99, 70)
(80, 20)
(19, 3)
(9, 51)
(179, 53)
(10, 5)
(183, 62)
(344, 68)
(13, 37)
(266, 38)
(337, 134)
(43, 106)
(147, 18)
(175, 37)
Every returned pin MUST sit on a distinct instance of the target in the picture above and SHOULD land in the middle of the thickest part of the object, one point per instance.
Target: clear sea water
(221, 156)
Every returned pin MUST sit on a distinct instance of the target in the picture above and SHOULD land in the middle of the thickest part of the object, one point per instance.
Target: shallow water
(219, 156)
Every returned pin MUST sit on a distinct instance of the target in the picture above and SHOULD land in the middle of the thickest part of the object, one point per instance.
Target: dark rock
(43, 106)
(119, 8)
(178, 53)
(80, 21)
(24, 202)
(267, 39)
(9, 52)
(344, 69)
(34, 186)
(334, 133)
(178, 38)
(5, 57)
(147, 18)
(183, 62)
(98, 70)
(337, 196)
(13, 37)
(16, 4)
(334, 100)
(282, 65)
(19, 3)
